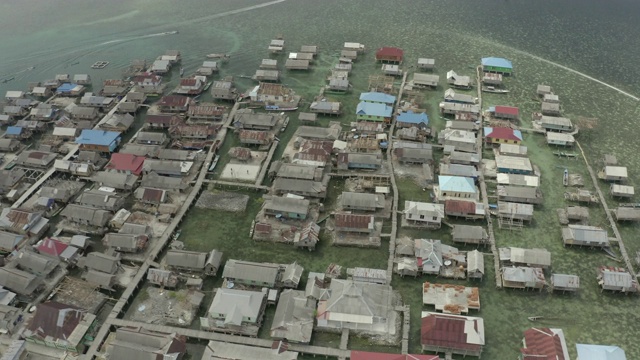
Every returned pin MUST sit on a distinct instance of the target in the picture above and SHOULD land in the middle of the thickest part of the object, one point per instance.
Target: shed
(470, 234)
(475, 265)
(426, 64)
(214, 260)
(613, 173)
(564, 282)
(559, 139)
(622, 191)
(583, 235)
(626, 214)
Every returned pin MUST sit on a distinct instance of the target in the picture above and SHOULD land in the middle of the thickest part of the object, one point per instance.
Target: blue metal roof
(378, 97)
(373, 109)
(413, 118)
(66, 87)
(456, 184)
(600, 352)
(97, 137)
(14, 130)
(498, 62)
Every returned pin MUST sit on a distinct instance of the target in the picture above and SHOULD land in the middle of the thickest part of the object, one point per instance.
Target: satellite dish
(447, 262)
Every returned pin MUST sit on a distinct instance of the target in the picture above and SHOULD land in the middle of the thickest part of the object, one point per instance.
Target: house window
(421, 217)
(435, 218)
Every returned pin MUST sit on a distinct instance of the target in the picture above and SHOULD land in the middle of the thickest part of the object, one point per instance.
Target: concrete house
(362, 201)
(456, 334)
(423, 214)
(234, 310)
(502, 135)
(456, 187)
(288, 208)
(360, 307)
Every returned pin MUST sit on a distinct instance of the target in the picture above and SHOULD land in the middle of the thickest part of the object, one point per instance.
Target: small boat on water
(492, 89)
(278, 108)
(100, 65)
(218, 56)
(181, 71)
(565, 178)
(206, 87)
(7, 80)
(284, 125)
(170, 32)
(214, 163)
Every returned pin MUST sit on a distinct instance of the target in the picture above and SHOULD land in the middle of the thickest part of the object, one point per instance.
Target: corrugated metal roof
(497, 62)
(599, 352)
(544, 343)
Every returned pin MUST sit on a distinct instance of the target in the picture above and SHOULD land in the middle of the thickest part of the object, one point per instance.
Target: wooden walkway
(234, 339)
(153, 254)
(607, 211)
(483, 190)
(265, 166)
(237, 184)
(406, 326)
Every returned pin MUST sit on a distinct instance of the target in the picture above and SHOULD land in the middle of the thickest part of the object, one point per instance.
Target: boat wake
(579, 73)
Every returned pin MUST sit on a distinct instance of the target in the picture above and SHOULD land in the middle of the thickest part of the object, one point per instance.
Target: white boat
(218, 56)
(284, 125)
(492, 89)
(214, 163)
(170, 32)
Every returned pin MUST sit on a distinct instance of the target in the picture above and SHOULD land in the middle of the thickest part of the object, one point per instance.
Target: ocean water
(596, 38)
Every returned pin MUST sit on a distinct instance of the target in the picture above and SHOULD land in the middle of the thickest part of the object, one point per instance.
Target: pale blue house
(600, 352)
(367, 111)
(378, 98)
(456, 187)
(410, 119)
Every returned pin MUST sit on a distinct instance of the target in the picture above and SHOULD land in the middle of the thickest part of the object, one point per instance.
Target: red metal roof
(262, 228)
(126, 162)
(353, 221)
(542, 343)
(55, 319)
(188, 82)
(174, 100)
(459, 207)
(52, 247)
(390, 52)
(366, 355)
(164, 119)
(153, 195)
(446, 331)
(511, 110)
(503, 134)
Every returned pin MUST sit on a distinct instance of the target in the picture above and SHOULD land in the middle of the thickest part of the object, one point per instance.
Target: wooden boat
(218, 56)
(100, 65)
(284, 125)
(170, 32)
(206, 87)
(565, 178)
(279, 108)
(562, 153)
(492, 89)
(214, 163)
